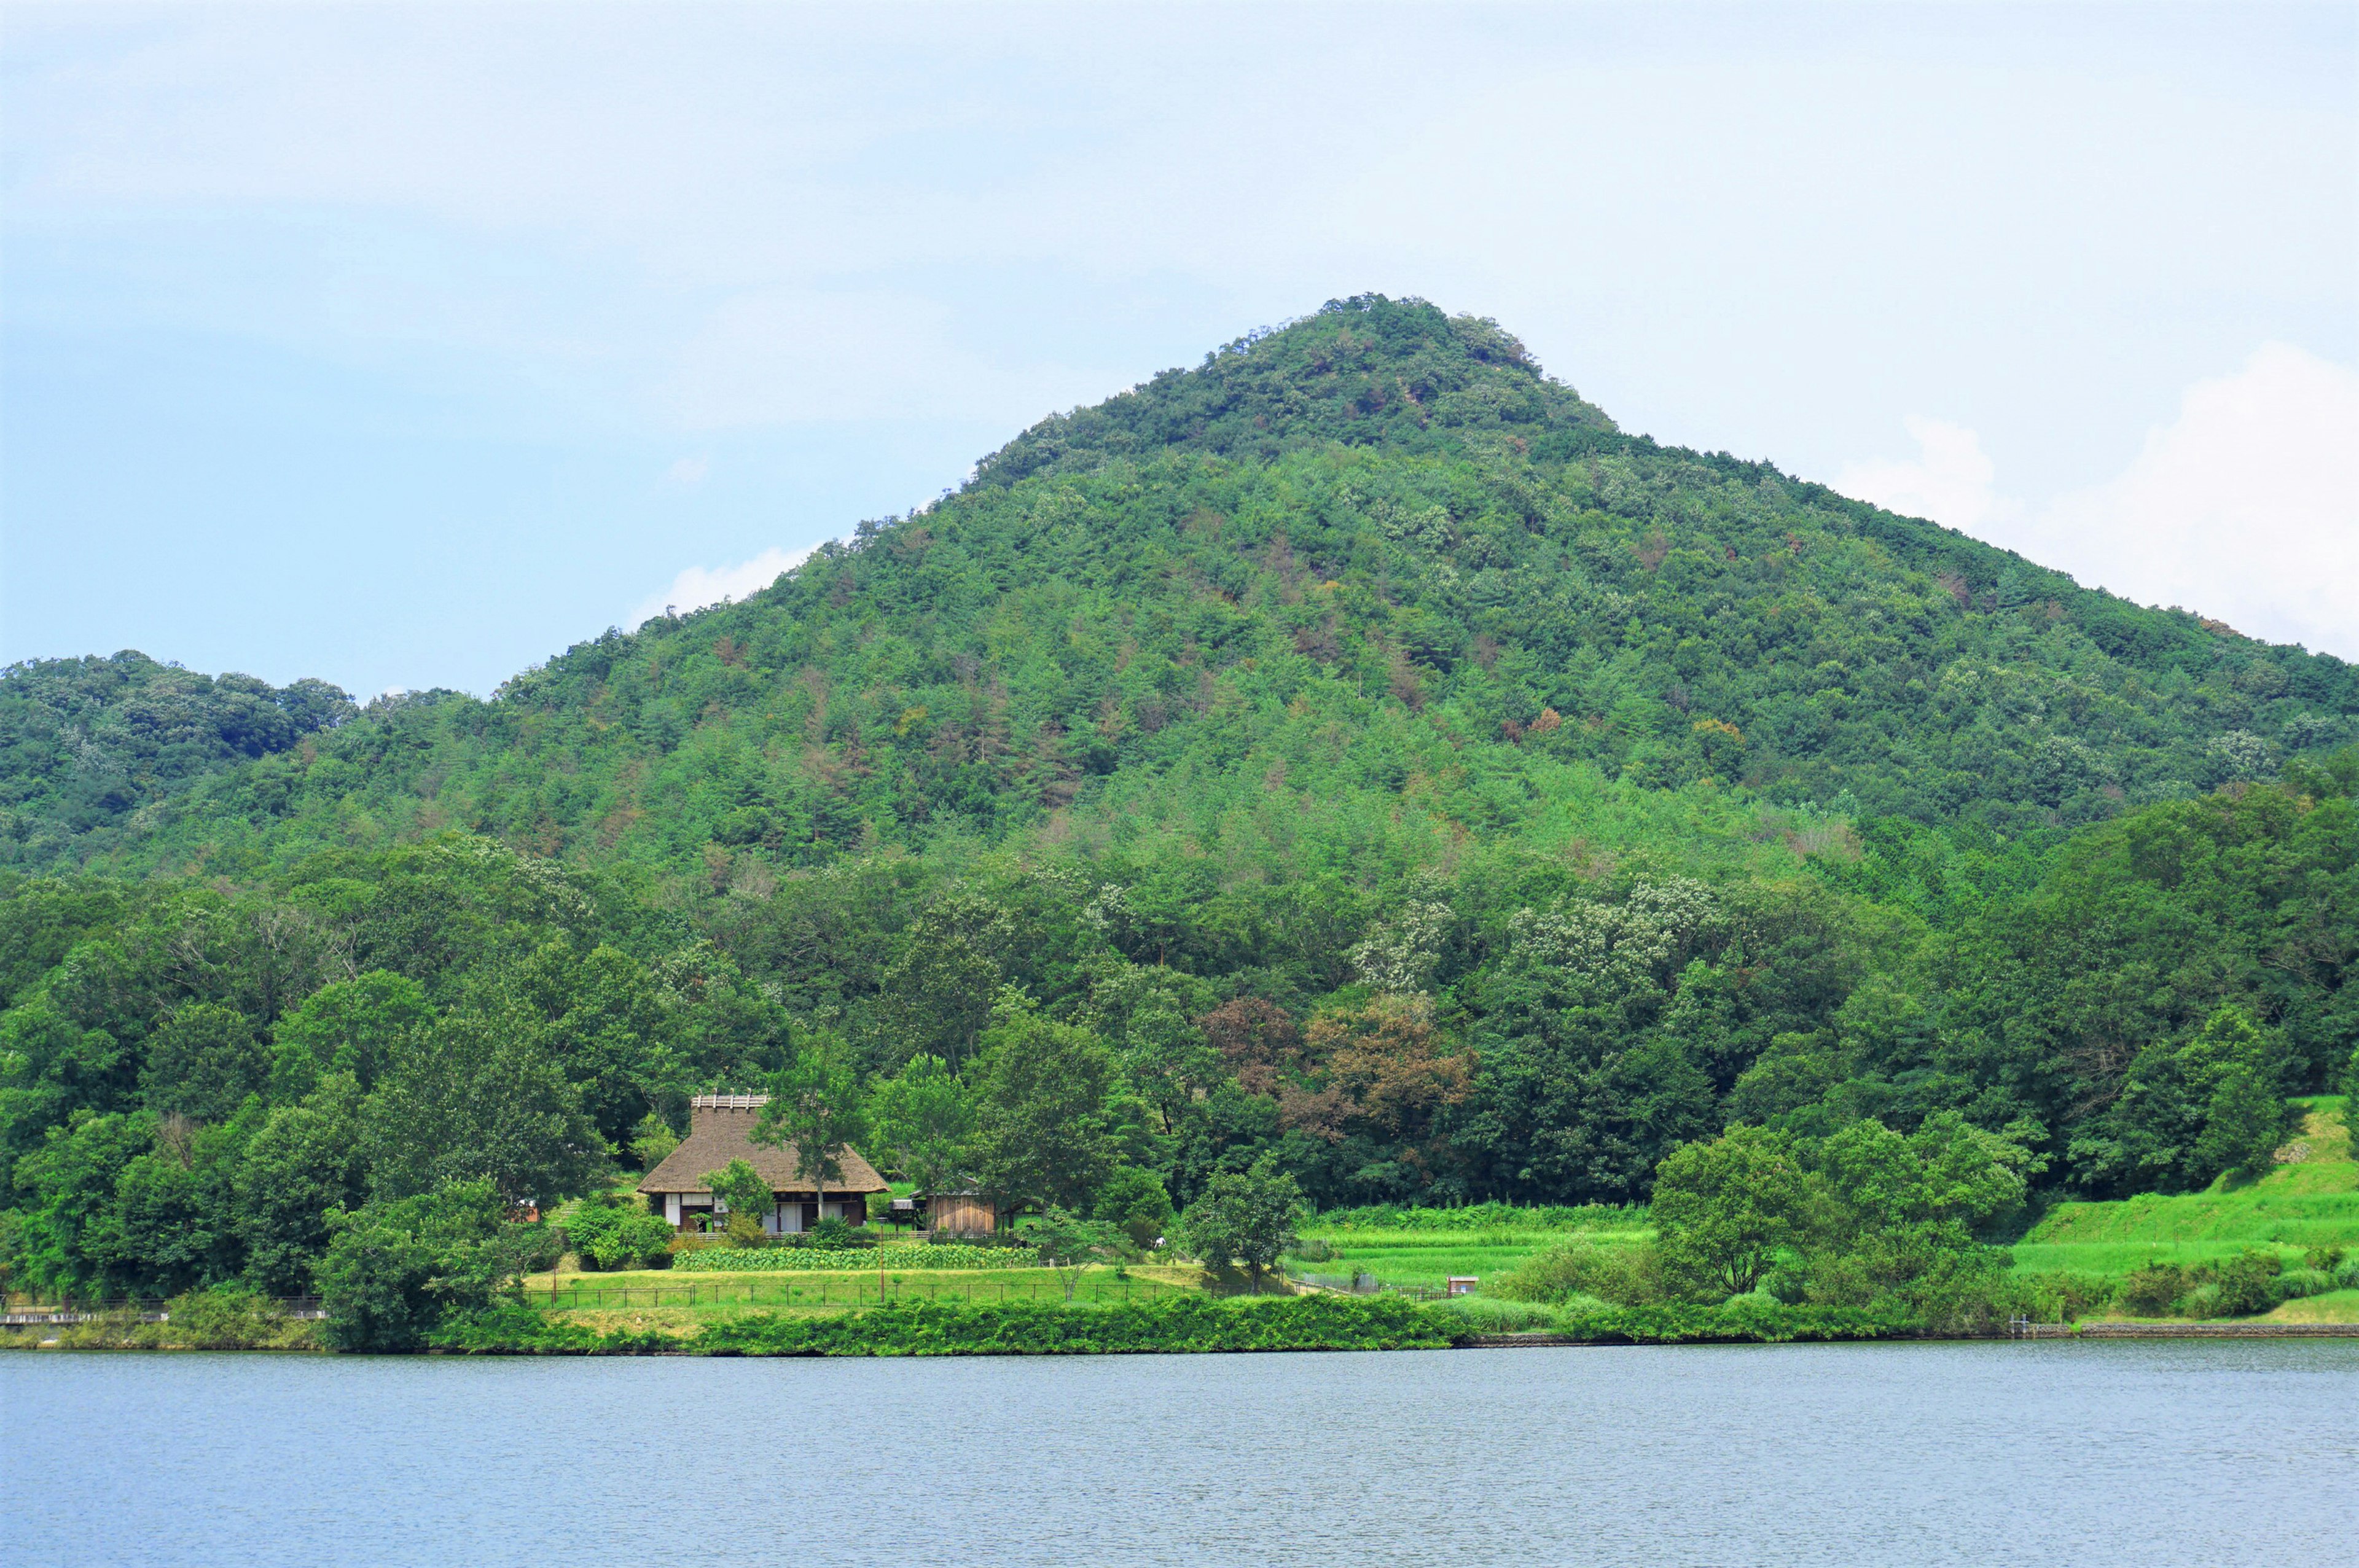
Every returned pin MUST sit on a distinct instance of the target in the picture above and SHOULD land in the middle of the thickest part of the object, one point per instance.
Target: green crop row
(1482, 1216)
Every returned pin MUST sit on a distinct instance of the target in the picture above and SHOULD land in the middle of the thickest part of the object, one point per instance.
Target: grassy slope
(2311, 1201)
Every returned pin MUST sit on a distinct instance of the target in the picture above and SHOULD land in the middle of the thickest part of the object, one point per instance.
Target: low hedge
(1745, 1321)
(813, 1259)
(1172, 1324)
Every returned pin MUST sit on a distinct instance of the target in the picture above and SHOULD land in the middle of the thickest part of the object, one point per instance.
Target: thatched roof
(720, 1129)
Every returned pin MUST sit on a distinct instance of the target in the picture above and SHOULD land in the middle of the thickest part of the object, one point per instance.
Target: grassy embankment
(2311, 1199)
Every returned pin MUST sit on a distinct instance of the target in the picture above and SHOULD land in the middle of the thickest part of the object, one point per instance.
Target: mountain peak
(1366, 371)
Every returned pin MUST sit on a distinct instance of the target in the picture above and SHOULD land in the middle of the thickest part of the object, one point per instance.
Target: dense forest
(1353, 756)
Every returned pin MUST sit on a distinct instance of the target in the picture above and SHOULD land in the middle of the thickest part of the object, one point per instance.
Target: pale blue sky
(405, 347)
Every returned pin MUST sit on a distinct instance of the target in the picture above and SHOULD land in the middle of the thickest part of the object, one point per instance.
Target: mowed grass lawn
(693, 1296)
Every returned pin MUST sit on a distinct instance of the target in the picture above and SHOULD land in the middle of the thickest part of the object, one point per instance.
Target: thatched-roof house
(720, 1129)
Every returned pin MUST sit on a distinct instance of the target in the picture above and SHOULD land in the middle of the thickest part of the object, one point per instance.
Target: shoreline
(1471, 1342)
(1202, 1325)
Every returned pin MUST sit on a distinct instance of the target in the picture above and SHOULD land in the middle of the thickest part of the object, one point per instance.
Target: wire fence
(1359, 1284)
(1363, 1283)
(148, 1309)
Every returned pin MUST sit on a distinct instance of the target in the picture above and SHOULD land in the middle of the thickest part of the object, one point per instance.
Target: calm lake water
(2079, 1454)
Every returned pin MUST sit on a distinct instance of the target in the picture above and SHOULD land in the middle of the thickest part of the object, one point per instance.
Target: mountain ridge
(1683, 615)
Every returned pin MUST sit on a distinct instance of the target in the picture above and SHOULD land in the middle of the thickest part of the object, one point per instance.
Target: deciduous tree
(815, 1110)
(1244, 1217)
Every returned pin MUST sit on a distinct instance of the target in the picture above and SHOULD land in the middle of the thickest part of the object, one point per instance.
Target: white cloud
(1951, 479)
(2245, 508)
(689, 472)
(698, 586)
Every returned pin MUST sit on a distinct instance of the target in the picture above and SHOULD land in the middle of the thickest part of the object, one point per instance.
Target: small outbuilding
(721, 1128)
(965, 1212)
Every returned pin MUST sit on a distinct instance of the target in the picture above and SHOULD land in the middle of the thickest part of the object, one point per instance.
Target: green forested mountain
(86, 743)
(1356, 747)
(1377, 552)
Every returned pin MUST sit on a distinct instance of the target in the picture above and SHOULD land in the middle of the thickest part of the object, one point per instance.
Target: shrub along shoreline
(1172, 1325)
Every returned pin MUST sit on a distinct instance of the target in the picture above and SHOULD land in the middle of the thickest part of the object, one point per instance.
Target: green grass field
(2111, 1260)
(703, 1295)
(1430, 1257)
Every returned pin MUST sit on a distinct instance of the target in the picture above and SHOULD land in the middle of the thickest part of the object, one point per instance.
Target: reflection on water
(2083, 1454)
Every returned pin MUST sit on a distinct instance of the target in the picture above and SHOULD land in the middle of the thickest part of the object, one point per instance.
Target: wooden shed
(964, 1213)
(720, 1129)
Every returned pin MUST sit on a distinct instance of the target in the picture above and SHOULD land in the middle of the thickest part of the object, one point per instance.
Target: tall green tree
(924, 1122)
(480, 1099)
(203, 1061)
(68, 1227)
(305, 1163)
(2193, 1109)
(1137, 1203)
(1050, 1123)
(398, 1269)
(50, 1067)
(938, 991)
(1068, 1244)
(1245, 1218)
(1724, 1208)
(815, 1110)
(1906, 1217)
(362, 1027)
